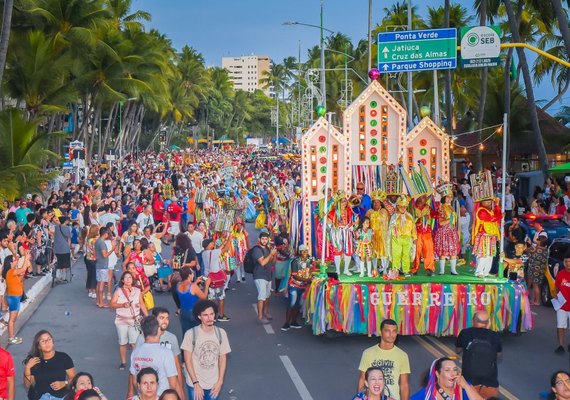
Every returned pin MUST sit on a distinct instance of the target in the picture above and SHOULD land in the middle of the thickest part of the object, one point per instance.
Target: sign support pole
(410, 85)
(503, 183)
(436, 98)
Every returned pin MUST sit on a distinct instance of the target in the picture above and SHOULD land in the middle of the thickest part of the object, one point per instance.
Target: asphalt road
(266, 362)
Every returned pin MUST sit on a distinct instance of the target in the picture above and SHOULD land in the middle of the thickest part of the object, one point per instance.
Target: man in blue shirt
(22, 213)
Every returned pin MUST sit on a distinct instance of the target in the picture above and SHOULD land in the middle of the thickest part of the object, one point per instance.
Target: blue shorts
(13, 302)
(295, 297)
(207, 394)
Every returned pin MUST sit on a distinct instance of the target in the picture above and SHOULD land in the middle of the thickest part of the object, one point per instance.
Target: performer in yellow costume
(403, 234)
(379, 222)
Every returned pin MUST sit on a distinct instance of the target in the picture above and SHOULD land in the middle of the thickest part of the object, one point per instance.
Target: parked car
(556, 252)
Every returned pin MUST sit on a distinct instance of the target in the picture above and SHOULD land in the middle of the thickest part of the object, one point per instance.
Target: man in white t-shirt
(205, 353)
(152, 354)
(196, 237)
(167, 339)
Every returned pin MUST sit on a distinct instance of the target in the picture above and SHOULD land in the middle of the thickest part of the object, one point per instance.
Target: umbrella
(561, 168)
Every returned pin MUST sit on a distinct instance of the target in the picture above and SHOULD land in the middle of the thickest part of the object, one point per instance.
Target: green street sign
(422, 50)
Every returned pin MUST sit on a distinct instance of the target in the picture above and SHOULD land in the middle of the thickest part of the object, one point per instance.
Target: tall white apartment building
(247, 71)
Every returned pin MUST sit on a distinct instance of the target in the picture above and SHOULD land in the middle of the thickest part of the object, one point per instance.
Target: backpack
(479, 360)
(195, 331)
(248, 261)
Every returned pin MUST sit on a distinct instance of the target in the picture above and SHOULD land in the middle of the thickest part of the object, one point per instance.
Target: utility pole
(369, 37)
(323, 83)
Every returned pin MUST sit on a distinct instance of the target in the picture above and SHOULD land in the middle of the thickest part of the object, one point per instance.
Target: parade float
(372, 144)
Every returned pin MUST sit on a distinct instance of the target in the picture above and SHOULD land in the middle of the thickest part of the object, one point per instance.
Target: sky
(222, 28)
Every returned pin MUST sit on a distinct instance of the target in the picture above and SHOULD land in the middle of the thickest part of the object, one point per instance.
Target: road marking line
(296, 378)
(436, 346)
(268, 328)
(534, 313)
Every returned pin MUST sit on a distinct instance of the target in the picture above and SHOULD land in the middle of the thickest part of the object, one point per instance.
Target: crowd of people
(175, 222)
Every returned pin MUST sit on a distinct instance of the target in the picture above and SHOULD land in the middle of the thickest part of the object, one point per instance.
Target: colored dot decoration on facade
(323, 160)
(423, 142)
(373, 122)
(373, 158)
(323, 169)
(373, 104)
(373, 113)
(373, 132)
(423, 152)
(373, 142)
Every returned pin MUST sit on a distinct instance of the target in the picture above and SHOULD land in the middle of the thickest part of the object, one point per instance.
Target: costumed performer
(446, 237)
(319, 214)
(402, 235)
(379, 222)
(420, 188)
(364, 249)
(239, 246)
(446, 383)
(423, 214)
(342, 220)
(486, 233)
(298, 282)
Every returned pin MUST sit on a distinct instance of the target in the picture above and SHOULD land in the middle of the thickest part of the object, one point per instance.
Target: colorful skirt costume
(446, 241)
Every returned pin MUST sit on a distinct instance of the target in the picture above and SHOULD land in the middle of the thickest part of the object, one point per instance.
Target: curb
(35, 294)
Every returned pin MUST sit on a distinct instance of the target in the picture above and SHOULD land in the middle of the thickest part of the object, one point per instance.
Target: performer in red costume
(486, 223)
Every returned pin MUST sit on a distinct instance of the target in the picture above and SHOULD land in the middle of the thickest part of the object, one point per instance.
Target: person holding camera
(264, 257)
(189, 294)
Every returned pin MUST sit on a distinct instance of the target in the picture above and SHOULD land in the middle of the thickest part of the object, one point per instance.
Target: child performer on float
(364, 248)
(487, 216)
(379, 222)
(402, 236)
(342, 220)
(446, 237)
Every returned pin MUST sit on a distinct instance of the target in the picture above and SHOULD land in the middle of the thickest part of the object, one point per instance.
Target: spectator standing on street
(560, 385)
(13, 271)
(196, 237)
(90, 260)
(147, 384)
(167, 339)
(129, 305)
(263, 257)
(299, 280)
(101, 264)
(189, 293)
(480, 347)
(152, 354)
(374, 386)
(393, 361)
(562, 285)
(7, 376)
(46, 370)
(62, 248)
(205, 354)
(80, 383)
(213, 253)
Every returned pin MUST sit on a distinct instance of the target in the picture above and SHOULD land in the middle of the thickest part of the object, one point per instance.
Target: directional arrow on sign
(385, 51)
(385, 67)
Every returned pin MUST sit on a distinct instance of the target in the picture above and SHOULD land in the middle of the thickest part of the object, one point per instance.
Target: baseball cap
(303, 247)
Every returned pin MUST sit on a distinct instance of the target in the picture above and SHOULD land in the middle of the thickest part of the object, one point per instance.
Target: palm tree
(543, 159)
(5, 34)
(22, 155)
(559, 75)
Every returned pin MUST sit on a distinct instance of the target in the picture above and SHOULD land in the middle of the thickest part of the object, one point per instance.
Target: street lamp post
(322, 29)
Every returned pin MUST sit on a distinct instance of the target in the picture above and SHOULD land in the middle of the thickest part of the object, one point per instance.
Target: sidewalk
(36, 289)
